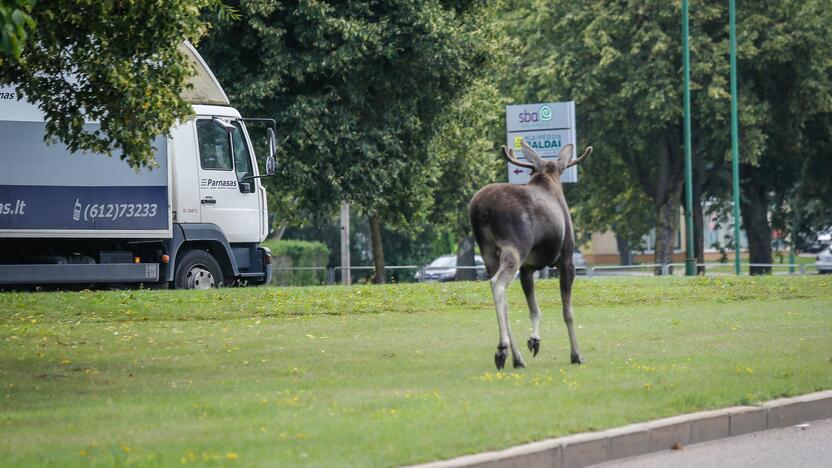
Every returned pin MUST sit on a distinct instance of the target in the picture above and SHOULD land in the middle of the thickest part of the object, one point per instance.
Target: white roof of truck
(205, 87)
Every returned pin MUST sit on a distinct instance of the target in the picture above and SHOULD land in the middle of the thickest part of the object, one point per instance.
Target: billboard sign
(546, 127)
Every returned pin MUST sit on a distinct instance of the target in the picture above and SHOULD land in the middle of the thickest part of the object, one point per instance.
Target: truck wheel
(197, 269)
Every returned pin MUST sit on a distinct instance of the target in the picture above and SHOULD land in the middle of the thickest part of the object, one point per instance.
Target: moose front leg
(527, 281)
(567, 276)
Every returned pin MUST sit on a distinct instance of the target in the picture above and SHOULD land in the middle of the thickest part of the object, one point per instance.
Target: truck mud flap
(67, 274)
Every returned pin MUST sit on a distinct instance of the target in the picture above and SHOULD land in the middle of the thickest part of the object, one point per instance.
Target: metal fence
(299, 276)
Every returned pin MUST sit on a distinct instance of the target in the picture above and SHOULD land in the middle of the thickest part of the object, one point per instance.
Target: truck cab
(194, 222)
(218, 201)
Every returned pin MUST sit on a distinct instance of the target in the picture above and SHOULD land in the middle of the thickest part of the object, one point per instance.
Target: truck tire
(197, 269)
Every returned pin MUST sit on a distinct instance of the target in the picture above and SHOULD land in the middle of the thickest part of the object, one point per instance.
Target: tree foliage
(465, 147)
(787, 75)
(605, 199)
(16, 23)
(107, 61)
(621, 62)
(356, 88)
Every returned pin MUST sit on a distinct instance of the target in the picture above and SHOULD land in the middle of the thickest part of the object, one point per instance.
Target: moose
(526, 228)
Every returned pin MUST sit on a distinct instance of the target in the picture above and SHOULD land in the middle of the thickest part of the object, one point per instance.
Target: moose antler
(509, 155)
(532, 154)
(586, 154)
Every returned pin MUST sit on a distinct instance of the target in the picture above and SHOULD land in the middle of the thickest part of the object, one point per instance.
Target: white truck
(195, 221)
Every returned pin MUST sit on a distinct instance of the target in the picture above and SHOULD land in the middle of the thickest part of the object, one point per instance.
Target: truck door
(226, 198)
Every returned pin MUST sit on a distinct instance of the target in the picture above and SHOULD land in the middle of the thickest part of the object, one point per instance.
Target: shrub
(288, 254)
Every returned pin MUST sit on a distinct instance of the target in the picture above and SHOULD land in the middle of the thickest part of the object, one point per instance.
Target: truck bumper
(73, 274)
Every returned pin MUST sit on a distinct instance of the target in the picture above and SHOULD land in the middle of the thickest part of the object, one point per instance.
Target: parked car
(444, 269)
(821, 242)
(824, 261)
(579, 262)
(812, 247)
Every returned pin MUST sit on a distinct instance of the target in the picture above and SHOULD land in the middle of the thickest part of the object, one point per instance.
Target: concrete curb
(662, 434)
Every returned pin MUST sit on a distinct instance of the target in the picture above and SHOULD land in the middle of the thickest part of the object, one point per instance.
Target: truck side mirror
(271, 165)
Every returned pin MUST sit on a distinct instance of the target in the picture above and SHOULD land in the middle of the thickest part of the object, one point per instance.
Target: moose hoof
(500, 358)
(534, 345)
(577, 359)
(518, 364)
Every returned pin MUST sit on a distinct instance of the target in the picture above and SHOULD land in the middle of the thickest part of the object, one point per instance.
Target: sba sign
(546, 127)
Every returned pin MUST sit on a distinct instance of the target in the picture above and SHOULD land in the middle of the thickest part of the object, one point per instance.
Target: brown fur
(526, 228)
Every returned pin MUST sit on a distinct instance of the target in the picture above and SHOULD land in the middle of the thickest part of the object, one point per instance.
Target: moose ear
(565, 155)
(531, 155)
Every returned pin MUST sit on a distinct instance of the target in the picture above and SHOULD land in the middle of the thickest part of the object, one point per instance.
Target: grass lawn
(382, 376)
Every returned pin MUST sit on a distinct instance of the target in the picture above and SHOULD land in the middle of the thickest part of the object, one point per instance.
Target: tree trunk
(698, 235)
(278, 233)
(698, 214)
(667, 195)
(378, 250)
(665, 189)
(625, 253)
(666, 216)
(465, 258)
(754, 206)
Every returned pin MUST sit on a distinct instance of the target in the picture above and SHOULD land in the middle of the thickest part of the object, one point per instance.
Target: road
(790, 447)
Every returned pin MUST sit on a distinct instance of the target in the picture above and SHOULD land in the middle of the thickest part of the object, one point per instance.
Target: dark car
(821, 242)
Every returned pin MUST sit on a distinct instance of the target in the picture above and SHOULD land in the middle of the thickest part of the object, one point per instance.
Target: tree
(810, 210)
(622, 63)
(109, 61)
(356, 88)
(786, 76)
(467, 143)
(605, 199)
(466, 151)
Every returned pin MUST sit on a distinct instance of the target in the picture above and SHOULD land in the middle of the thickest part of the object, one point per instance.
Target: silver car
(444, 269)
(579, 262)
(824, 261)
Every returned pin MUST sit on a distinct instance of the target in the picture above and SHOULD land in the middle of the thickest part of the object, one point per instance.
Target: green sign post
(735, 135)
(690, 258)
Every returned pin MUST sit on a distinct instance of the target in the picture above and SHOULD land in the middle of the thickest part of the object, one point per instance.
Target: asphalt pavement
(804, 445)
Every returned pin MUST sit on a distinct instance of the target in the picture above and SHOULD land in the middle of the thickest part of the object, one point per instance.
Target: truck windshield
(214, 150)
(219, 150)
(242, 158)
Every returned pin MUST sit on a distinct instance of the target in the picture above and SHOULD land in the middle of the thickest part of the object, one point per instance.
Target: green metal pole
(791, 255)
(735, 135)
(690, 260)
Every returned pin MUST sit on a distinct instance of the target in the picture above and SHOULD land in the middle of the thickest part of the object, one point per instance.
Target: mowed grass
(383, 376)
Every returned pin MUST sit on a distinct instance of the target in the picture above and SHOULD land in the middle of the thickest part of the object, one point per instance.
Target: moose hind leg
(509, 264)
(527, 281)
(567, 277)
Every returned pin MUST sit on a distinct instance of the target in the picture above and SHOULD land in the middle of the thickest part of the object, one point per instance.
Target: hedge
(288, 254)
